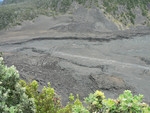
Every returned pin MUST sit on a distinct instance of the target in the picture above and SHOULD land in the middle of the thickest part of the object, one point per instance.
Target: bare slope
(124, 13)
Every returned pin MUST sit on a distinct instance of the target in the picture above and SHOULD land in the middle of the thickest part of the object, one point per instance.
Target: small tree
(12, 96)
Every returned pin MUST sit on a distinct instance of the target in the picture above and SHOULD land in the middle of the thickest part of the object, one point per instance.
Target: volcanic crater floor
(84, 65)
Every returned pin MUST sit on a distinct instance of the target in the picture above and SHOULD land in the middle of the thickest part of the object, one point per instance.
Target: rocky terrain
(80, 53)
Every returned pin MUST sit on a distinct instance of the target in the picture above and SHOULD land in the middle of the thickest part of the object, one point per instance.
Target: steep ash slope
(125, 13)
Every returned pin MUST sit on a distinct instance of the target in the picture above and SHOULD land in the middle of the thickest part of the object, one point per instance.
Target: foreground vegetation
(13, 12)
(16, 96)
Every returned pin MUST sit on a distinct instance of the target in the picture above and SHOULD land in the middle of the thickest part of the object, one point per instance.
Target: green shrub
(78, 107)
(94, 101)
(125, 103)
(49, 102)
(12, 96)
(46, 101)
(74, 106)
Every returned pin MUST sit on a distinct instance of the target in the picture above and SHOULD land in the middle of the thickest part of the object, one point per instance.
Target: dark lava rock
(109, 82)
